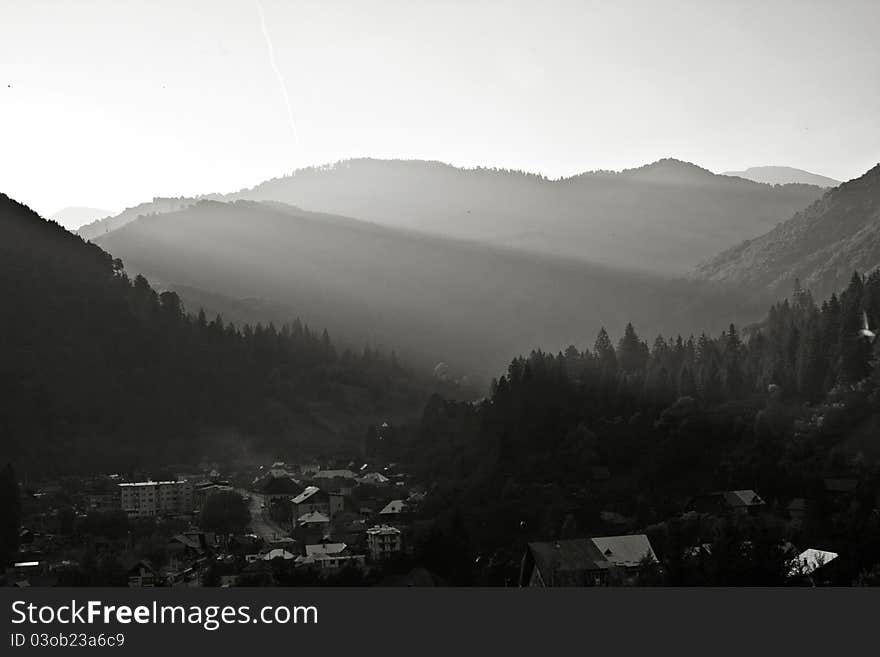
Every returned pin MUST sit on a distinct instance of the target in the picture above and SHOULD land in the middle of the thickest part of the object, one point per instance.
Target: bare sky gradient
(108, 103)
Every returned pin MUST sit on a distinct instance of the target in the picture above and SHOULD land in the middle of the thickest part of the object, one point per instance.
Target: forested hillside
(663, 217)
(621, 437)
(101, 371)
(433, 299)
(821, 246)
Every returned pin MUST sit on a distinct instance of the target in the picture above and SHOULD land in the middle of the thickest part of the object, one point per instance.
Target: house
(395, 511)
(279, 469)
(312, 520)
(205, 489)
(311, 500)
(384, 542)
(279, 488)
(309, 469)
(737, 502)
(812, 565)
(743, 501)
(585, 561)
(279, 553)
(141, 574)
(191, 544)
(330, 557)
(334, 474)
(374, 479)
(245, 546)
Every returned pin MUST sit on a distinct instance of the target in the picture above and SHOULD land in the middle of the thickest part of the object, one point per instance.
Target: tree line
(621, 436)
(100, 370)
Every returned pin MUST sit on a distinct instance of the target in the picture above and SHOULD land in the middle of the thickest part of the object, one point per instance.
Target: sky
(110, 103)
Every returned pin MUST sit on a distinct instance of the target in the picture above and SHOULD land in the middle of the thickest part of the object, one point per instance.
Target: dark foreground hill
(434, 299)
(101, 371)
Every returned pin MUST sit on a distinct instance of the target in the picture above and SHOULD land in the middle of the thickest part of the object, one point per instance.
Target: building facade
(146, 499)
(384, 542)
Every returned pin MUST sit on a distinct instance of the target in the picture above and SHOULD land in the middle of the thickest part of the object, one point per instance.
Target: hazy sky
(109, 103)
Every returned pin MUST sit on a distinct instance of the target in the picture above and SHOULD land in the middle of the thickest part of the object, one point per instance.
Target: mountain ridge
(820, 246)
(779, 175)
(664, 217)
(432, 298)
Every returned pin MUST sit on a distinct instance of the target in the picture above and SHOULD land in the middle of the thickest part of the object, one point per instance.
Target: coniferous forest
(101, 371)
(627, 436)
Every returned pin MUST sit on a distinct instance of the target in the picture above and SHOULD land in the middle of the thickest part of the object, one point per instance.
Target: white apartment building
(145, 499)
(384, 542)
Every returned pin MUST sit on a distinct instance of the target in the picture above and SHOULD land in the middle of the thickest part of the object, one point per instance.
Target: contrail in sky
(280, 77)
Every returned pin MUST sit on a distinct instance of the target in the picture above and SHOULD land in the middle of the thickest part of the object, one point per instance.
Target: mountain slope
(157, 206)
(821, 246)
(432, 298)
(664, 217)
(100, 371)
(783, 176)
(72, 218)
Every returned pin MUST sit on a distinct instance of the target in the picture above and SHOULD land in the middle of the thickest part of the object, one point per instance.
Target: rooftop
(306, 494)
(383, 530)
(393, 507)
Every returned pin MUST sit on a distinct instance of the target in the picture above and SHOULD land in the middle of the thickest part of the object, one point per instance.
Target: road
(261, 524)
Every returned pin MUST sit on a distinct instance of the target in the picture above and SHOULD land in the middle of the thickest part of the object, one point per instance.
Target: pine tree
(855, 350)
(605, 354)
(733, 377)
(631, 355)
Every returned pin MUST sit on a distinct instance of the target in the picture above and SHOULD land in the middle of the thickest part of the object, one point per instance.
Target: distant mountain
(107, 222)
(101, 371)
(821, 246)
(784, 176)
(74, 217)
(664, 217)
(432, 298)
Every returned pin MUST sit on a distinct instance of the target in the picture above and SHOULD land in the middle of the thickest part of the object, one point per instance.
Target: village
(320, 522)
(313, 521)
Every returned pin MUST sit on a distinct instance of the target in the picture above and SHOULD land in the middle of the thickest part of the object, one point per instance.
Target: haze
(107, 104)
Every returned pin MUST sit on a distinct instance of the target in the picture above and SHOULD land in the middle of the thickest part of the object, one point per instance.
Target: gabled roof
(568, 562)
(325, 549)
(334, 474)
(375, 478)
(394, 507)
(309, 492)
(278, 553)
(625, 551)
(742, 498)
(280, 486)
(810, 560)
(571, 562)
(312, 518)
